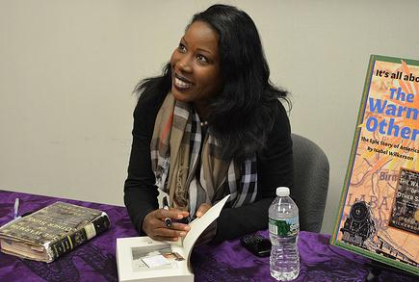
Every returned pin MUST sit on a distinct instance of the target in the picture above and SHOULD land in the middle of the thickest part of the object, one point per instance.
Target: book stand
(375, 269)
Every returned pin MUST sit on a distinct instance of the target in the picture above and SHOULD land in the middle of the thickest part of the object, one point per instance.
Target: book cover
(143, 259)
(52, 231)
(379, 209)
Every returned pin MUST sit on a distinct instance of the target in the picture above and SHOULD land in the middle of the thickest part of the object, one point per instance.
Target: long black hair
(242, 115)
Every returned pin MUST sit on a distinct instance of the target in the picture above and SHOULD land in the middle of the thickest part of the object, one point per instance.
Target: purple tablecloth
(95, 260)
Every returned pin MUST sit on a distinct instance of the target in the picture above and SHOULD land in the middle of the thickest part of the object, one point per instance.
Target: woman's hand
(203, 208)
(154, 225)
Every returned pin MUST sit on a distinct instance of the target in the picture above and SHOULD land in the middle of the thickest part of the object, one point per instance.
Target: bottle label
(284, 228)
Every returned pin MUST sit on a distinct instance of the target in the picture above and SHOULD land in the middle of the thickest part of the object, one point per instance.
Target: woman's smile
(181, 82)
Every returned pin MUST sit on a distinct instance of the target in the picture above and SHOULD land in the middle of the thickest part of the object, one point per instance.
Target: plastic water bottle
(283, 232)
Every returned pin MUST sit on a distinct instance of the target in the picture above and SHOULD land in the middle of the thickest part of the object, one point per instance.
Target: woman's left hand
(203, 208)
(211, 230)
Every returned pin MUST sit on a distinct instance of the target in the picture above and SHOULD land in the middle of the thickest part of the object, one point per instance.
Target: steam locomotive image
(359, 230)
(359, 226)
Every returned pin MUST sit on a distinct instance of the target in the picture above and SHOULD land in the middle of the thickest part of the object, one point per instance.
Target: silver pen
(16, 208)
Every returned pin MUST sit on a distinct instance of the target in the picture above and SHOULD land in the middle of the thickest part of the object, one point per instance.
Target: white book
(143, 259)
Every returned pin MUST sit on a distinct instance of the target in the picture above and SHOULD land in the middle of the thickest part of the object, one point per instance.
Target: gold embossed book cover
(52, 231)
(379, 209)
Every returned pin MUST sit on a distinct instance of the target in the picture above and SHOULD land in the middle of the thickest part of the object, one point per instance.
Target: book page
(199, 225)
(23, 250)
(142, 256)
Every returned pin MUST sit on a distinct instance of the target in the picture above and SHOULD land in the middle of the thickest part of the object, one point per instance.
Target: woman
(210, 126)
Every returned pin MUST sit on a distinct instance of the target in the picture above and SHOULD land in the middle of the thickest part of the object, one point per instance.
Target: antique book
(143, 259)
(52, 231)
(379, 210)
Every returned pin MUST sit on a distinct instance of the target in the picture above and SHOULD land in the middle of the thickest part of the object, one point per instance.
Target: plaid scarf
(190, 168)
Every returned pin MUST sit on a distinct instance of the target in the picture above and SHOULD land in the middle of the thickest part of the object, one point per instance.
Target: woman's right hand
(154, 225)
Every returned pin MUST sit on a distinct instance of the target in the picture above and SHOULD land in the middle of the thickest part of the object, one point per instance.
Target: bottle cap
(282, 191)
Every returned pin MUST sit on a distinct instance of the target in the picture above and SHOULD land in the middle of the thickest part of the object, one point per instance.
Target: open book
(143, 259)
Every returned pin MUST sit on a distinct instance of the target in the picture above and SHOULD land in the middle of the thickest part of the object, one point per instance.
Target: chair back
(311, 182)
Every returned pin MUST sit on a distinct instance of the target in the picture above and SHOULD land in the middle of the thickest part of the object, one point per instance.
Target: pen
(16, 208)
(167, 220)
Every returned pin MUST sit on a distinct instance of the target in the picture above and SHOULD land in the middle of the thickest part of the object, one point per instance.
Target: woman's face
(195, 65)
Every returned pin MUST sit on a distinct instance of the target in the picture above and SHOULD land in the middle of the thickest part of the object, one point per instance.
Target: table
(228, 261)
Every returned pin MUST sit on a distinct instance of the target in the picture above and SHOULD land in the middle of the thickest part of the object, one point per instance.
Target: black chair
(311, 182)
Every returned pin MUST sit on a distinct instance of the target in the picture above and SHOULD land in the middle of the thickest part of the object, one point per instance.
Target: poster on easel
(379, 208)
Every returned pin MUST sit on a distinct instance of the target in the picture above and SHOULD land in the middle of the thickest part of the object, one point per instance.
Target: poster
(379, 209)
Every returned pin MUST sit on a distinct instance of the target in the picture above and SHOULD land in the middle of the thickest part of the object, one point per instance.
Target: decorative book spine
(81, 235)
